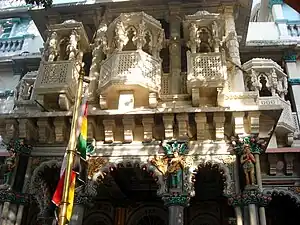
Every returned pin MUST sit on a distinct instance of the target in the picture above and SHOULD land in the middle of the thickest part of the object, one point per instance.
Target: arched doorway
(148, 215)
(283, 209)
(43, 184)
(209, 206)
(132, 194)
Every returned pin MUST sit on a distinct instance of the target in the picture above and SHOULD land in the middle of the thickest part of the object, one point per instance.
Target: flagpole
(71, 152)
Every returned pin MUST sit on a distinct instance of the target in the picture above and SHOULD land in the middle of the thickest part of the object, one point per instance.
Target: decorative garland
(14, 197)
(19, 146)
(249, 197)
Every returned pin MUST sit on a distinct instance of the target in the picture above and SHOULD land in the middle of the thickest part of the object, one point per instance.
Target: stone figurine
(121, 38)
(73, 45)
(248, 162)
(52, 47)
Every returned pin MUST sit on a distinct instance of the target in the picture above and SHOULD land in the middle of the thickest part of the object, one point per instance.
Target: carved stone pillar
(176, 207)
(219, 119)
(201, 122)
(175, 48)
(176, 188)
(168, 123)
(148, 122)
(109, 127)
(232, 45)
(128, 124)
(46, 131)
(182, 120)
(61, 129)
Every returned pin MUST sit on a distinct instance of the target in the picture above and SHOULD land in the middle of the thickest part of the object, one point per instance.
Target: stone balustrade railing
(297, 125)
(4, 4)
(294, 30)
(286, 122)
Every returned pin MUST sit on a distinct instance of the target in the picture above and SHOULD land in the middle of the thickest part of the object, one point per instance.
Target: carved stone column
(176, 186)
(175, 48)
(232, 45)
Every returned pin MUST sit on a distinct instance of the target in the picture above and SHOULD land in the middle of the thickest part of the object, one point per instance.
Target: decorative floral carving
(176, 200)
(249, 197)
(14, 197)
(94, 168)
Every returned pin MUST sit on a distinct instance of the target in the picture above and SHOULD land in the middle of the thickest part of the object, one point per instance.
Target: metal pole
(71, 152)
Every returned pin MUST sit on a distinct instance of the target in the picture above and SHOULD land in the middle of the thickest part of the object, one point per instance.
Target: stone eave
(270, 110)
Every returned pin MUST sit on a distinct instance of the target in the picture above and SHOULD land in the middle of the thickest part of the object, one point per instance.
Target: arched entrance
(132, 193)
(148, 215)
(43, 184)
(284, 208)
(209, 206)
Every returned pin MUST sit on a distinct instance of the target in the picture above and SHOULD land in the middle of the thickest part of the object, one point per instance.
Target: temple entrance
(127, 196)
(209, 206)
(282, 210)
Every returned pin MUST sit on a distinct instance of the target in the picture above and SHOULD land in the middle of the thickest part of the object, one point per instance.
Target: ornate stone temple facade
(179, 124)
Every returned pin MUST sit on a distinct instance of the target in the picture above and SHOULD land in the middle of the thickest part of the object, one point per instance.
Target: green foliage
(45, 3)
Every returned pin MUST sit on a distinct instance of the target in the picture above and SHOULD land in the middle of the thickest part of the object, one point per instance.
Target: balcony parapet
(286, 123)
(131, 68)
(265, 77)
(57, 78)
(126, 59)
(61, 64)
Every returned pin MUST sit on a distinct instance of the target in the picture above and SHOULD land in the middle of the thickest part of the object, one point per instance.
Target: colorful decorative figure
(7, 169)
(248, 162)
(171, 168)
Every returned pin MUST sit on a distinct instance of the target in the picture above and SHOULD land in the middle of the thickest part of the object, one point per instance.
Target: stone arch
(155, 212)
(98, 216)
(281, 191)
(39, 188)
(224, 171)
(115, 163)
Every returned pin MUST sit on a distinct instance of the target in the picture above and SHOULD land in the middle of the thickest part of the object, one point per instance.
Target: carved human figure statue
(193, 37)
(73, 45)
(121, 36)
(52, 47)
(248, 163)
(175, 170)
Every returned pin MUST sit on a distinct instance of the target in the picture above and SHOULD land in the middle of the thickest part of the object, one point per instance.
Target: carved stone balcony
(286, 123)
(60, 65)
(131, 70)
(57, 79)
(206, 73)
(265, 77)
